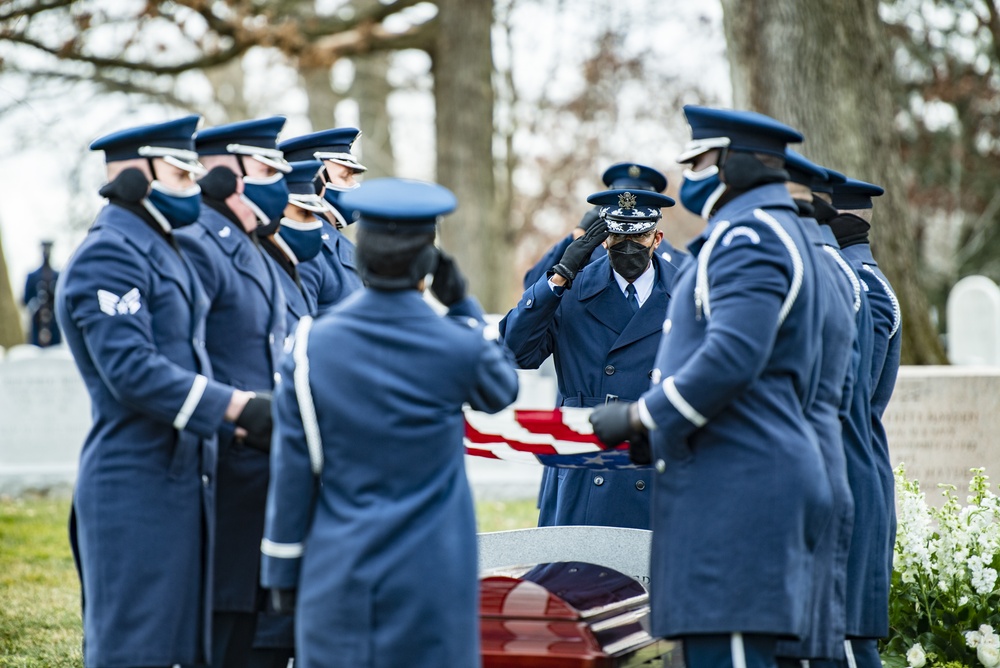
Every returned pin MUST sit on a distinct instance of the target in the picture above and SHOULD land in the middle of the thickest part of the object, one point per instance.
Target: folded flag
(561, 437)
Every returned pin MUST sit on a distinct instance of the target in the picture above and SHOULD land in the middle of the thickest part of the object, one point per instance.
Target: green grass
(40, 592)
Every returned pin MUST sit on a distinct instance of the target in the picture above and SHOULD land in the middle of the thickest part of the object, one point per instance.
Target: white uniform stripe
(896, 315)
(645, 416)
(737, 650)
(851, 276)
(798, 268)
(191, 402)
(849, 651)
(280, 550)
(701, 277)
(681, 404)
(303, 394)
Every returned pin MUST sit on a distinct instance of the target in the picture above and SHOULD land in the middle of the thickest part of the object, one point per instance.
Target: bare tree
(824, 66)
(11, 333)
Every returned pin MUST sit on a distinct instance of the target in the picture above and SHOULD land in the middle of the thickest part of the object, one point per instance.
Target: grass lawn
(40, 592)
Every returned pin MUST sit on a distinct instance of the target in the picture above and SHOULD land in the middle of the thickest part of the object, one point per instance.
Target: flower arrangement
(944, 603)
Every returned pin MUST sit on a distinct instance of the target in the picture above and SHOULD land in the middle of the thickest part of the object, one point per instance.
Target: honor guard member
(298, 240)
(853, 201)
(243, 192)
(601, 323)
(133, 313)
(39, 293)
(337, 278)
(619, 176)
(370, 517)
(742, 495)
(840, 293)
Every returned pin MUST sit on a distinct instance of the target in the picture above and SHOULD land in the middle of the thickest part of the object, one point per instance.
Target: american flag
(561, 437)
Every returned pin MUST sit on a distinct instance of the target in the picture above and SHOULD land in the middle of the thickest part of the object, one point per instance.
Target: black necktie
(630, 297)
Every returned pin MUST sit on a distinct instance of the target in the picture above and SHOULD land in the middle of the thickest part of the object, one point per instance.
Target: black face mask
(822, 211)
(629, 258)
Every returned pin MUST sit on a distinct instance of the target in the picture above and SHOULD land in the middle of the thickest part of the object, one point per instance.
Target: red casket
(566, 615)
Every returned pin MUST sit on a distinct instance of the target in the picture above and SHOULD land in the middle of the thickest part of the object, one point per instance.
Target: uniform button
(277, 378)
(598, 480)
(640, 485)
(661, 466)
(270, 339)
(205, 480)
(655, 376)
(667, 324)
(527, 303)
(609, 370)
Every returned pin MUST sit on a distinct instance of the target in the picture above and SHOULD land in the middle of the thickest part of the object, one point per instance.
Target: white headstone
(44, 419)
(974, 322)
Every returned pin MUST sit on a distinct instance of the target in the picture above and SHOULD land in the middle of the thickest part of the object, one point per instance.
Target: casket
(566, 614)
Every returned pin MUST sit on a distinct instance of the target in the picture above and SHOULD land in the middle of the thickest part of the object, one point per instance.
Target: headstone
(625, 550)
(44, 419)
(974, 322)
(943, 421)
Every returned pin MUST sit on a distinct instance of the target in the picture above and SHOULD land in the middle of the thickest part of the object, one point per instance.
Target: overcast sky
(41, 141)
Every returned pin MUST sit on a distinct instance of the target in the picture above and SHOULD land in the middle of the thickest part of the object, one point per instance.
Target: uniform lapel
(649, 319)
(605, 302)
(163, 259)
(234, 242)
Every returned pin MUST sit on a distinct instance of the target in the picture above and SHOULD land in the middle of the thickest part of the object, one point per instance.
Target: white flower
(988, 655)
(917, 659)
(972, 638)
(987, 638)
(963, 601)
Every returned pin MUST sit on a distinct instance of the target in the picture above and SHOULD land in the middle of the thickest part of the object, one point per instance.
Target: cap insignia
(634, 171)
(626, 200)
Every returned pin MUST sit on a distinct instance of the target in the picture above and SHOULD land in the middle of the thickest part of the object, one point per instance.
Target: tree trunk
(463, 96)
(11, 333)
(371, 90)
(824, 67)
(323, 99)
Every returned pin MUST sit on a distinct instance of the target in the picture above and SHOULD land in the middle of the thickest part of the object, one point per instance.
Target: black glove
(577, 255)
(449, 284)
(283, 601)
(256, 419)
(613, 423)
(589, 218)
(638, 449)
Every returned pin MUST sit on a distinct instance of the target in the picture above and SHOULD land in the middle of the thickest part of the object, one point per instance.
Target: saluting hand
(577, 255)
(448, 286)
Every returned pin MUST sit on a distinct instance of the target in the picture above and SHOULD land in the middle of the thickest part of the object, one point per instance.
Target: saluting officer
(742, 494)
(39, 294)
(601, 322)
(369, 516)
(243, 192)
(133, 312)
(619, 176)
(333, 280)
(840, 294)
(853, 201)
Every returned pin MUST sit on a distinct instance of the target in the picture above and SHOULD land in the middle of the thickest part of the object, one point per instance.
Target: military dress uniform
(603, 351)
(621, 175)
(741, 493)
(39, 295)
(885, 349)
(133, 312)
(370, 515)
(331, 281)
(840, 295)
(245, 333)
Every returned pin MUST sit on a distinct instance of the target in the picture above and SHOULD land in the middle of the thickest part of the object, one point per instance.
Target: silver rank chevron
(112, 304)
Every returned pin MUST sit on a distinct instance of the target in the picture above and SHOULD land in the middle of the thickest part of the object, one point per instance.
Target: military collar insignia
(225, 231)
(626, 200)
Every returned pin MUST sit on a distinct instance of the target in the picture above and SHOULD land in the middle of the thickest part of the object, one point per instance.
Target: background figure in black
(38, 292)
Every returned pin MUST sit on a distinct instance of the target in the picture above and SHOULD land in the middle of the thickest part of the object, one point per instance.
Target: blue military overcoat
(245, 332)
(601, 350)
(840, 296)
(886, 321)
(39, 289)
(332, 275)
(741, 492)
(382, 544)
(133, 314)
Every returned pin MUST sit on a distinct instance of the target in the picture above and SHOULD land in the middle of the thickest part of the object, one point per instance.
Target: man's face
(171, 176)
(650, 239)
(255, 169)
(299, 214)
(339, 175)
(705, 160)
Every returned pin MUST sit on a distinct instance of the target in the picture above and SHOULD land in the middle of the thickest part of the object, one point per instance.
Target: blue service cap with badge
(624, 175)
(628, 212)
(855, 194)
(257, 139)
(334, 145)
(172, 141)
(302, 185)
(398, 205)
(803, 170)
(735, 130)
